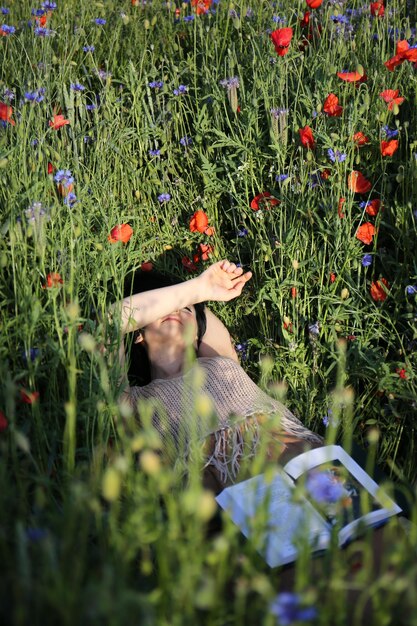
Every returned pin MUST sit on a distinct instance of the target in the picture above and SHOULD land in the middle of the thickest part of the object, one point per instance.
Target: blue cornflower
(35, 96)
(70, 199)
(279, 20)
(7, 30)
(180, 90)
(186, 141)
(35, 212)
(102, 74)
(336, 156)
(242, 232)
(188, 18)
(411, 289)
(367, 260)
(281, 177)
(30, 355)
(156, 84)
(100, 21)
(340, 19)
(8, 94)
(4, 11)
(314, 329)
(91, 107)
(323, 487)
(164, 197)
(89, 48)
(40, 31)
(390, 133)
(36, 534)
(230, 83)
(77, 87)
(277, 113)
(48, 6)
(38, 12)
(64, 177)
(288, 609)
(242, 349)
(154, 153)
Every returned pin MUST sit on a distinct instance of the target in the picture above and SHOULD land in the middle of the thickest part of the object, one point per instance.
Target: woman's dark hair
(139, 367)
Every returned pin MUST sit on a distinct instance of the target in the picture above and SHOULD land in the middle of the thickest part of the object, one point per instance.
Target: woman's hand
(222, 281)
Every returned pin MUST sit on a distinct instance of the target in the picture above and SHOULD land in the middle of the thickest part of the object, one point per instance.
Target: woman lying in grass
(167, 320)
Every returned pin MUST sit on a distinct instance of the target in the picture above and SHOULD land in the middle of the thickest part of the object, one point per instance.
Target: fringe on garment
(233, 443)
(230, 445)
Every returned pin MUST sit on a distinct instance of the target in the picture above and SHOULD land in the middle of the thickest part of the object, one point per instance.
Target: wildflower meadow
(164, 136)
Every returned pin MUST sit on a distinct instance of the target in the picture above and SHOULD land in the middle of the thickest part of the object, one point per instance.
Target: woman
(170, 319)
(167, 320)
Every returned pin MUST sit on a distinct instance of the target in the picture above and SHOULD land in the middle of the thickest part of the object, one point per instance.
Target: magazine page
(286, 522)
(360, 500)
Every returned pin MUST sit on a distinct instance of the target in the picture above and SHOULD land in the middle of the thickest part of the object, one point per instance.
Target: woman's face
(177, 328)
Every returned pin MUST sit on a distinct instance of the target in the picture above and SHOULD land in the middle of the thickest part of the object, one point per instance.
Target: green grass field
(302, 154)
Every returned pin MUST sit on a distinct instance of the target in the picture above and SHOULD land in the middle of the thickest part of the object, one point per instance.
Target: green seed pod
(3, 163)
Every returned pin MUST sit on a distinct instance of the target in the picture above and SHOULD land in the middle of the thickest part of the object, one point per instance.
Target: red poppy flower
(390, 96)
(410, 54)
(288, 327)
(29, 397)
(294, 292)
(307, 137)
(388, 148)
(365, 233)
(340, 213)
(53, 280)
(120, 232)
(402, 373)
(332, 107)
(264, 200)
(281, 38)
(373, 207)
(360, 139)
(394, 61)
(379, 290)
(199, 223)
(205, 250)
(201, 6)
(358, 183)
(146, 266)
(314, 4)
(352, 77)
(332, 277)
(188, 264)
(377, 9)
(6, 113)
(58, 121)
(50, 168)
(3, 422)
(305, 20)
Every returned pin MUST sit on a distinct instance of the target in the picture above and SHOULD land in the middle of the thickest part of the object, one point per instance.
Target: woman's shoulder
(214, 362)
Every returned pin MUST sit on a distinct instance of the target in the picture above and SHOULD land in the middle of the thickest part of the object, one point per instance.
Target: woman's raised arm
(222, 281)
(216, 340)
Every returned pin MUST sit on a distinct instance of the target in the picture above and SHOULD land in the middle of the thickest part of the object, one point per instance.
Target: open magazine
(317, 491)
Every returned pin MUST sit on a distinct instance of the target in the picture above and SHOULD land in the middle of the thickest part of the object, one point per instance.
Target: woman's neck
(167, 362)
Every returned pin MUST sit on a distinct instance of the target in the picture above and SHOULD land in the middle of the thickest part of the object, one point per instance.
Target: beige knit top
(178, 413)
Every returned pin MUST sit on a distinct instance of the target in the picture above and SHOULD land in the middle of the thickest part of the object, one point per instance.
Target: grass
(87, 533)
